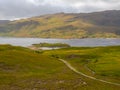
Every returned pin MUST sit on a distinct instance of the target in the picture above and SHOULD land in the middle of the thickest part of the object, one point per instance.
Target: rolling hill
(25, 69)
(105, 24)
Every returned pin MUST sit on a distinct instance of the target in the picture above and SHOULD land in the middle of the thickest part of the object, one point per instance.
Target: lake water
(73, 42)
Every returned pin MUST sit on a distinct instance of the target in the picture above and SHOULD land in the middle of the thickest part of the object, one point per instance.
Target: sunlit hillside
(84, 25)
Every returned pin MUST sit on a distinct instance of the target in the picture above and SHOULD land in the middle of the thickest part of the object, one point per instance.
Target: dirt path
(78, 72)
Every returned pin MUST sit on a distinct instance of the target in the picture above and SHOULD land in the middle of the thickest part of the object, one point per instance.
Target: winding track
(78, 72)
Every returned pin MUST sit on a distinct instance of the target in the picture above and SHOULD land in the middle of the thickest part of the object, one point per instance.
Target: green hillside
(24, 69)
(100, 62)
(104, 24)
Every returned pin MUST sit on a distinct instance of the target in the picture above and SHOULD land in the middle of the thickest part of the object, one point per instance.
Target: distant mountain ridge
(4, 22)
(105, 24)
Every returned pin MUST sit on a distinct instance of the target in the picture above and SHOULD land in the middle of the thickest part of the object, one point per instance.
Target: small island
(49, 46)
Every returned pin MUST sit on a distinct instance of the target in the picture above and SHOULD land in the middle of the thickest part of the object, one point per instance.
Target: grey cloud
(11, 9)
(76, 1)
(94, 5)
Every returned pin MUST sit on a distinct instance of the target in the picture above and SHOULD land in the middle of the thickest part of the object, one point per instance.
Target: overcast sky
(15, 9)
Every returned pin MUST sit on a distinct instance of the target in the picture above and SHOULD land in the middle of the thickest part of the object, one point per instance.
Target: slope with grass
(24, 69)
(99, 62)
(66, 25)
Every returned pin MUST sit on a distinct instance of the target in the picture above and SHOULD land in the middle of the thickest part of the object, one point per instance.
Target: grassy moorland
(25, 69)
(99, 62)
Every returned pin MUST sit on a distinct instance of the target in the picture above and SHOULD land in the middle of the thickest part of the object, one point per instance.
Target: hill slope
(39, 71)
(83, 25)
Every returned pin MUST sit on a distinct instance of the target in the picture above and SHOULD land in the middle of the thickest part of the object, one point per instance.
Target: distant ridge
(4, 21)
(105, 24)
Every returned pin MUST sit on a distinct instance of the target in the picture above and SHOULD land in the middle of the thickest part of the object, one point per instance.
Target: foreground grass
(24, 69)
(100, 62)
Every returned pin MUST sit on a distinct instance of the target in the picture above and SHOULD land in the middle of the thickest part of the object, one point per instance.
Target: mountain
(4, 22)
(105, 24)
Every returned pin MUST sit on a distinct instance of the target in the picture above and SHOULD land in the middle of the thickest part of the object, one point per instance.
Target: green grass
(25, 69)
(100, 62)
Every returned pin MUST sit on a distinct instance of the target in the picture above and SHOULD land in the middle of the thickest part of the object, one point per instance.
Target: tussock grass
(25, 69)
(100, 62)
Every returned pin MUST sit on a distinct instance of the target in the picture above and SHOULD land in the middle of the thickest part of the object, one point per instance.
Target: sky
(16, 9)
